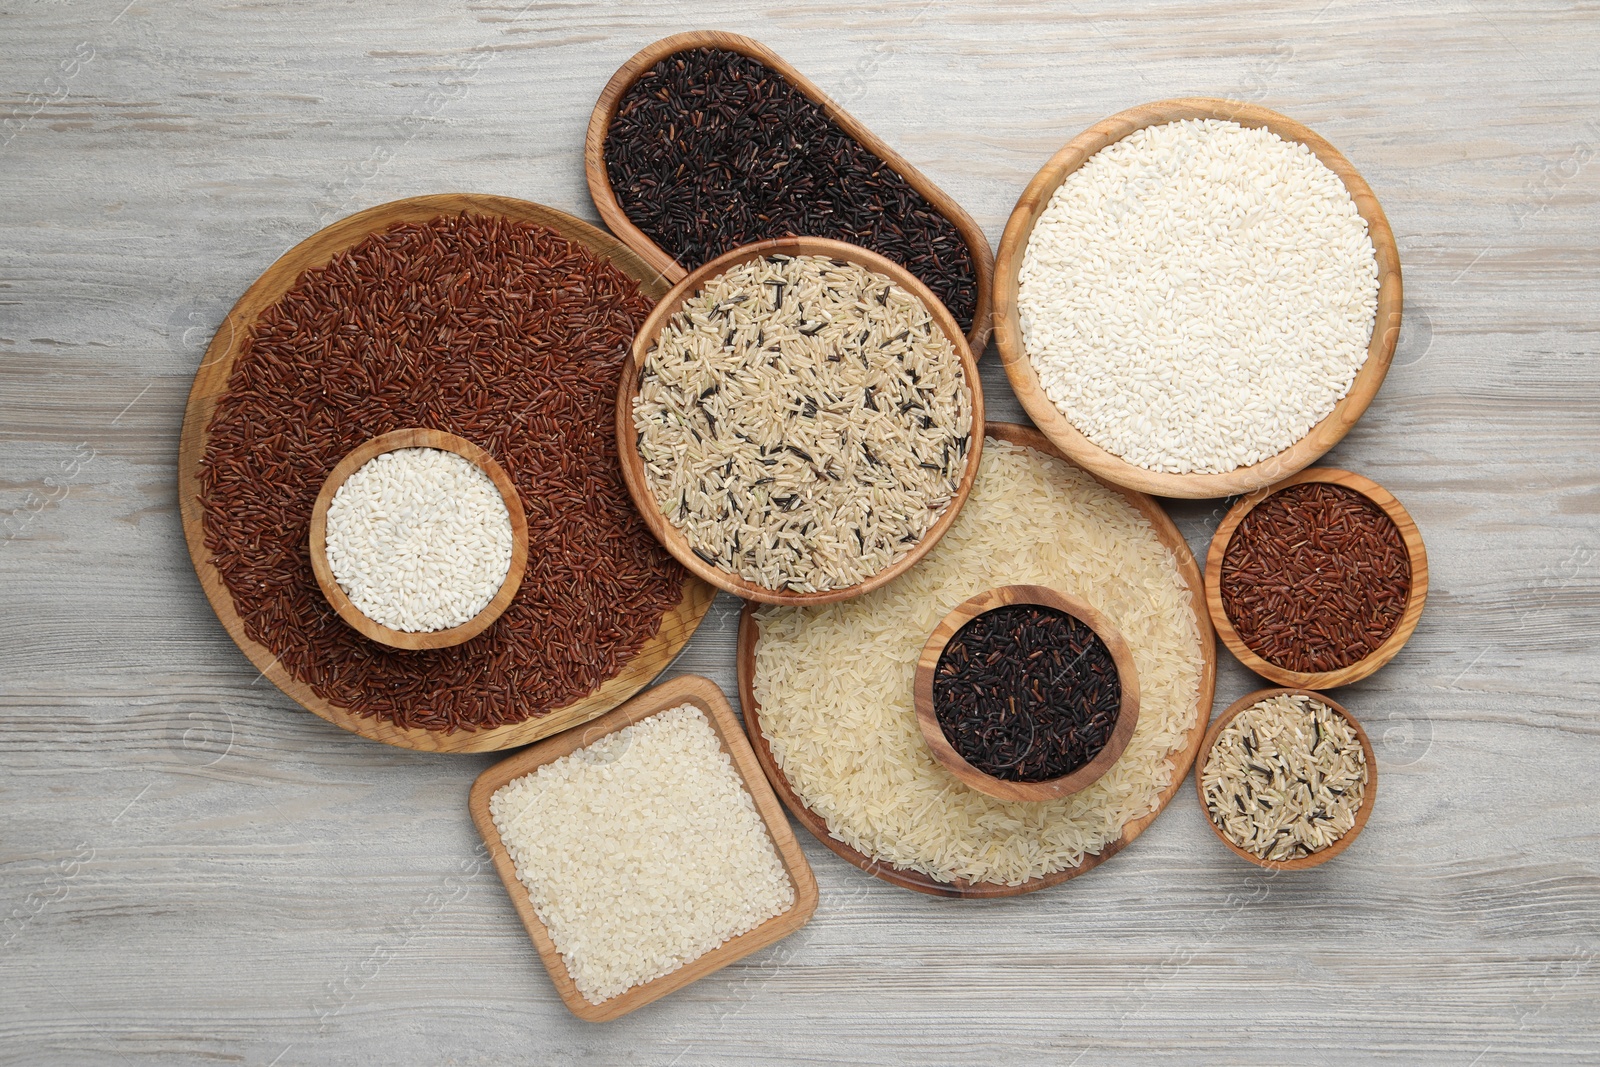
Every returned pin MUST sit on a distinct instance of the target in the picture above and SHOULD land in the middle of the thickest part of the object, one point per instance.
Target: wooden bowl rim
(633, 472)
(1317, 440)
(339, 600)
(211, 379)
(705, 695)
(1416, 552)
(1363, 813)
(906, 878)
(605, 198)
(1043, 596)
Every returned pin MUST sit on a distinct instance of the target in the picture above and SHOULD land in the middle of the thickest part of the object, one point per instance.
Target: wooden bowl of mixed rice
(1286, 778)
(800, 421)
(1196, 298)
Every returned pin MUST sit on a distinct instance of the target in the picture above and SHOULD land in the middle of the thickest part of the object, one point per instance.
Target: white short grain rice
(419, 539)
(641, 852)
(834, 682)
(1198, 295)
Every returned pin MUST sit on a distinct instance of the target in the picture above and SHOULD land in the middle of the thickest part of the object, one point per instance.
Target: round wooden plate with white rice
(816, 681)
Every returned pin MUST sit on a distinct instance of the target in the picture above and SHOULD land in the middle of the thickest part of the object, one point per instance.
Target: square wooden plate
(703, 694)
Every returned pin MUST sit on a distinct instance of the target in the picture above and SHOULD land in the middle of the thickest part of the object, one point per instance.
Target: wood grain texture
(257, 885)
(1006, 788)
(1416, 598)
(1025, 380)
(633, 472)
(749, 634)
(1369, 796)
(616, 219)
(418, 437)
(211, 381)
(702, 693)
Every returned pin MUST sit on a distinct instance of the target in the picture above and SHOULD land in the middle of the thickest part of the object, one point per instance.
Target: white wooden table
(194, 869)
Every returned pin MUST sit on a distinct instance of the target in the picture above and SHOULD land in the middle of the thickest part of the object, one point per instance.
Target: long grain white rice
(1197, 295)
(419, 539)
(834, 682)
(1285, 777)
(803, 421)
(641, 852)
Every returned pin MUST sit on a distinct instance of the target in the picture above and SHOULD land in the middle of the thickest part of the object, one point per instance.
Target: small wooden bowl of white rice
(418, 539)
(800, 421)
(1282, 782)
(1197, 298)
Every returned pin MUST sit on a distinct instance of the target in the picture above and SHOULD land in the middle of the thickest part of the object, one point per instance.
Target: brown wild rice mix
(803, 421)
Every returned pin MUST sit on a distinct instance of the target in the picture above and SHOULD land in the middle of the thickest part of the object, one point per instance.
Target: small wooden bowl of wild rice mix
(1287, 778)
(418, 539)
(806, 421)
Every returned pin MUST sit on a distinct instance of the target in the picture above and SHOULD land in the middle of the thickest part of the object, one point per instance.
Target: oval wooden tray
(211, 380)
(605, 199)
(922, 883)
(633, 473)
(1368, 797)
(1415, 599)
(1008, 329)
(704, 694)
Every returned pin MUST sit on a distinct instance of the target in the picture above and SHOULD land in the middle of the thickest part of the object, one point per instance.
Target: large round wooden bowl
(916, 880)
(1019, 368)
(1363, 813)
(605, 198)
(633, 471)
(211, 381)
(345, 608)
(1010, 788)
(1354, 672)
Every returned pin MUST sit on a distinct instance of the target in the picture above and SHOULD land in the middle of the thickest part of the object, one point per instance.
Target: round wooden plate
(605, 199)
(1415, 599)
(1078, 448)
(922, 883)
(211, 380)
(1368, 797)
(633, 472)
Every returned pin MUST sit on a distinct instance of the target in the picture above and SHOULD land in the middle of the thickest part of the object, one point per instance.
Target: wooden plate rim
(605, 199)
(1002, 788)
(1416, 552)
(633, 473)
(916, 880)
(704, 694)
(1025, 381)
(211, 379)
(1368, 798)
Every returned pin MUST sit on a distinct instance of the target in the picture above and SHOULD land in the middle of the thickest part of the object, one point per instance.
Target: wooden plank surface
(194, 869)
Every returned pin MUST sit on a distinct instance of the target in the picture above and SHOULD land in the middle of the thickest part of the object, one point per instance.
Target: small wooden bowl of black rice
(1287, 778)
(800, 421)
(1025, 693)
